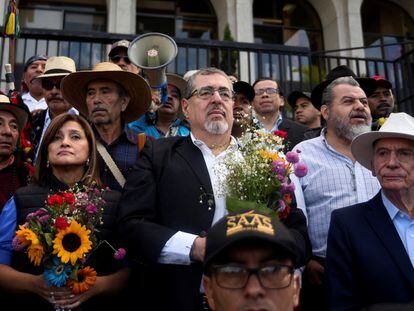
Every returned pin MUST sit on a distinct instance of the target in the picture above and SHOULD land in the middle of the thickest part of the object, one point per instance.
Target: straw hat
(177, 81)
(58, 66)
(398, 125)
(74, 88)
(21, 112)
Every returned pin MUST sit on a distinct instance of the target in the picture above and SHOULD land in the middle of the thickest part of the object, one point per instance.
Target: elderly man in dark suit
(370, 253)
(172, 197)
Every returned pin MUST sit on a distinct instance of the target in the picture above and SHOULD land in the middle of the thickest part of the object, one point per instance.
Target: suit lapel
(381, 223)
(194, 158)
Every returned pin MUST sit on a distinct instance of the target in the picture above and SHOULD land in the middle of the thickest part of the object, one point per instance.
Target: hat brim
(294, 96)
(21, 113)
(51, 75)
(362, 146)
(74, 90)
(244, 88)
(367, 84)
(177, 81)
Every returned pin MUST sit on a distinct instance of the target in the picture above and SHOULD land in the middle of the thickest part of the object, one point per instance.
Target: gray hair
(203, 72)
(327, 95)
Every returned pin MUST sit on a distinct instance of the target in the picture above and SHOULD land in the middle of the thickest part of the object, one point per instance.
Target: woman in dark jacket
(67, 156)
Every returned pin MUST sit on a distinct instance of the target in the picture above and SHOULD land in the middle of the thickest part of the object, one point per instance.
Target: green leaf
(49, 239)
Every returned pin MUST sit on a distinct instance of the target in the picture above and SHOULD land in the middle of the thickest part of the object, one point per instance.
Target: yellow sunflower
(36, 252)
(72, 243)
(26, 237)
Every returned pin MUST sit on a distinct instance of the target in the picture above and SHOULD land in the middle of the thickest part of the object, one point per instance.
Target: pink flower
(278, 167)
(287, 188)
(300, 169)
(91, 208)
(120, 254)
(44, 218)
(16, 245)
(292, 157)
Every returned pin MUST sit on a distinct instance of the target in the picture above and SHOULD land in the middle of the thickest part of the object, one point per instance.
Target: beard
(347, 131)
(216, 127)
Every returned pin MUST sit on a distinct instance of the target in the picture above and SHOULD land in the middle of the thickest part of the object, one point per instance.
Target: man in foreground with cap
(381, 100)
(14, 172)
(57, 67)
(267, 104)
(250, 264)
(370, 255)
(31, 89)
(167, 120)
(110, 97)
(119, 56)
(334, 178)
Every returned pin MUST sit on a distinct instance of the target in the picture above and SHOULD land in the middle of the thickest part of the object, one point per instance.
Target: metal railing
(295, 68)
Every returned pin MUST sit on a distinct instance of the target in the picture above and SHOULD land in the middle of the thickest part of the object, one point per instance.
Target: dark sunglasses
(49, 84)
(117, 58)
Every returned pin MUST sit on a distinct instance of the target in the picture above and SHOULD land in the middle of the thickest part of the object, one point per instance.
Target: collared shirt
(404, 225)
(275, 125)
(48, 119)
(333, 181)
(7, 229)
(148, 126)
(124, 152)
(177, 249)
(32, 103)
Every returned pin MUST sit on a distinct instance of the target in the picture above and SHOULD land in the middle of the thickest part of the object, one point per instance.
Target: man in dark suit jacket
(267, 103)
(370, 252)
(170, 198)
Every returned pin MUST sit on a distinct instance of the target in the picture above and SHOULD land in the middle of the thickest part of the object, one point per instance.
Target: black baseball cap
(33, 59)
(249, 225)
(295, 95)
(244, 88)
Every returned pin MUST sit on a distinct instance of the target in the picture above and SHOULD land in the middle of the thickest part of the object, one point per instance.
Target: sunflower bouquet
(61, 235)
(258, 175)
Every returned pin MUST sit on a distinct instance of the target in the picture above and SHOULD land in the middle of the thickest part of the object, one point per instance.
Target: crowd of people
(346, 244)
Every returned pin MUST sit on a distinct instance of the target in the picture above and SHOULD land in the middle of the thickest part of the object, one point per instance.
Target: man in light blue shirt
(370, 255)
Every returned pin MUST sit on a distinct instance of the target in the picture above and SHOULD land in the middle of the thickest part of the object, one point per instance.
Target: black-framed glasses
(50, 84)
(206, 92)
(272, 276)
(117, 58)
(268, 90)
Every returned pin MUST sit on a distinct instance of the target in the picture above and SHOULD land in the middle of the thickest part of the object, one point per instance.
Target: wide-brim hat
(367, 84)
(249, 225)
(295, 95)
(244, 88)
(398, 125)
(21, 112)
(74, 88)
(177, 81)
(58, 66)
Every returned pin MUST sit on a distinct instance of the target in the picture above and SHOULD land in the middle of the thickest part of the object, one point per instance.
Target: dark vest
(31, 198)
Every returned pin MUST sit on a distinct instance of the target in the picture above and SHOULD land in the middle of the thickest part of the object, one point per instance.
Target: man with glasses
(250, 264)
(370, 256)
(119, 55)
(56, 69)
(267, 105)
(172, 197)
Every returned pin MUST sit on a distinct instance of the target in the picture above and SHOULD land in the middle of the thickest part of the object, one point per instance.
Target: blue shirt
(333, 181)
(404, 225)
(7, 230)
(275, 126)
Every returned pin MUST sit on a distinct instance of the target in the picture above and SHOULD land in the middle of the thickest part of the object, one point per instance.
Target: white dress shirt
(178, 247)
(32, 103)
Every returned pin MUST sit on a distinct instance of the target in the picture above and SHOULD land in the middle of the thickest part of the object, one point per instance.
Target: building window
(384, 22)
(177, 18)
(288, 22)
(67, 15)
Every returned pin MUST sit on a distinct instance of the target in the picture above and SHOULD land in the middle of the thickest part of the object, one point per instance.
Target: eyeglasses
(402, 155)
(206, 92)
(269, 91)
(275, 276)
(117, 58)
(49, 84)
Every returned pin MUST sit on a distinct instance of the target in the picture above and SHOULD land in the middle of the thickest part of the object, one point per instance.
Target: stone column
(121, 16)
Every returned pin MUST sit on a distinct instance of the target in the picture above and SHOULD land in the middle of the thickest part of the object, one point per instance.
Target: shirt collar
(392, 210)
(233, 146)
(275, 125)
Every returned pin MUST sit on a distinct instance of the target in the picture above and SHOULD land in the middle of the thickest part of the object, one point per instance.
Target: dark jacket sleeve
(341, 284)
(137, 216)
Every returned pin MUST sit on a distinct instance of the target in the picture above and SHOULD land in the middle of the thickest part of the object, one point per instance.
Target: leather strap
(111, 164)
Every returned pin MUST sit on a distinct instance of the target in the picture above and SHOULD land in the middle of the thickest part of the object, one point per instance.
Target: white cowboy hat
(58, 66)
(398, 125)
(74, 88)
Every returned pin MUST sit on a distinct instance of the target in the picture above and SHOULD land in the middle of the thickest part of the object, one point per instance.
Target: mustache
(54, 97)
(358, 114)
(216, 107)
(383, 105)
(96, 109)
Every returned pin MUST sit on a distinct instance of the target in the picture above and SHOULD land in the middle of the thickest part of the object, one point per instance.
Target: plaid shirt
(124, 152)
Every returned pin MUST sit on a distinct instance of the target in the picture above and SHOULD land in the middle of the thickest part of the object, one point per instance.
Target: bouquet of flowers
(62, 235)
(257, 177)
